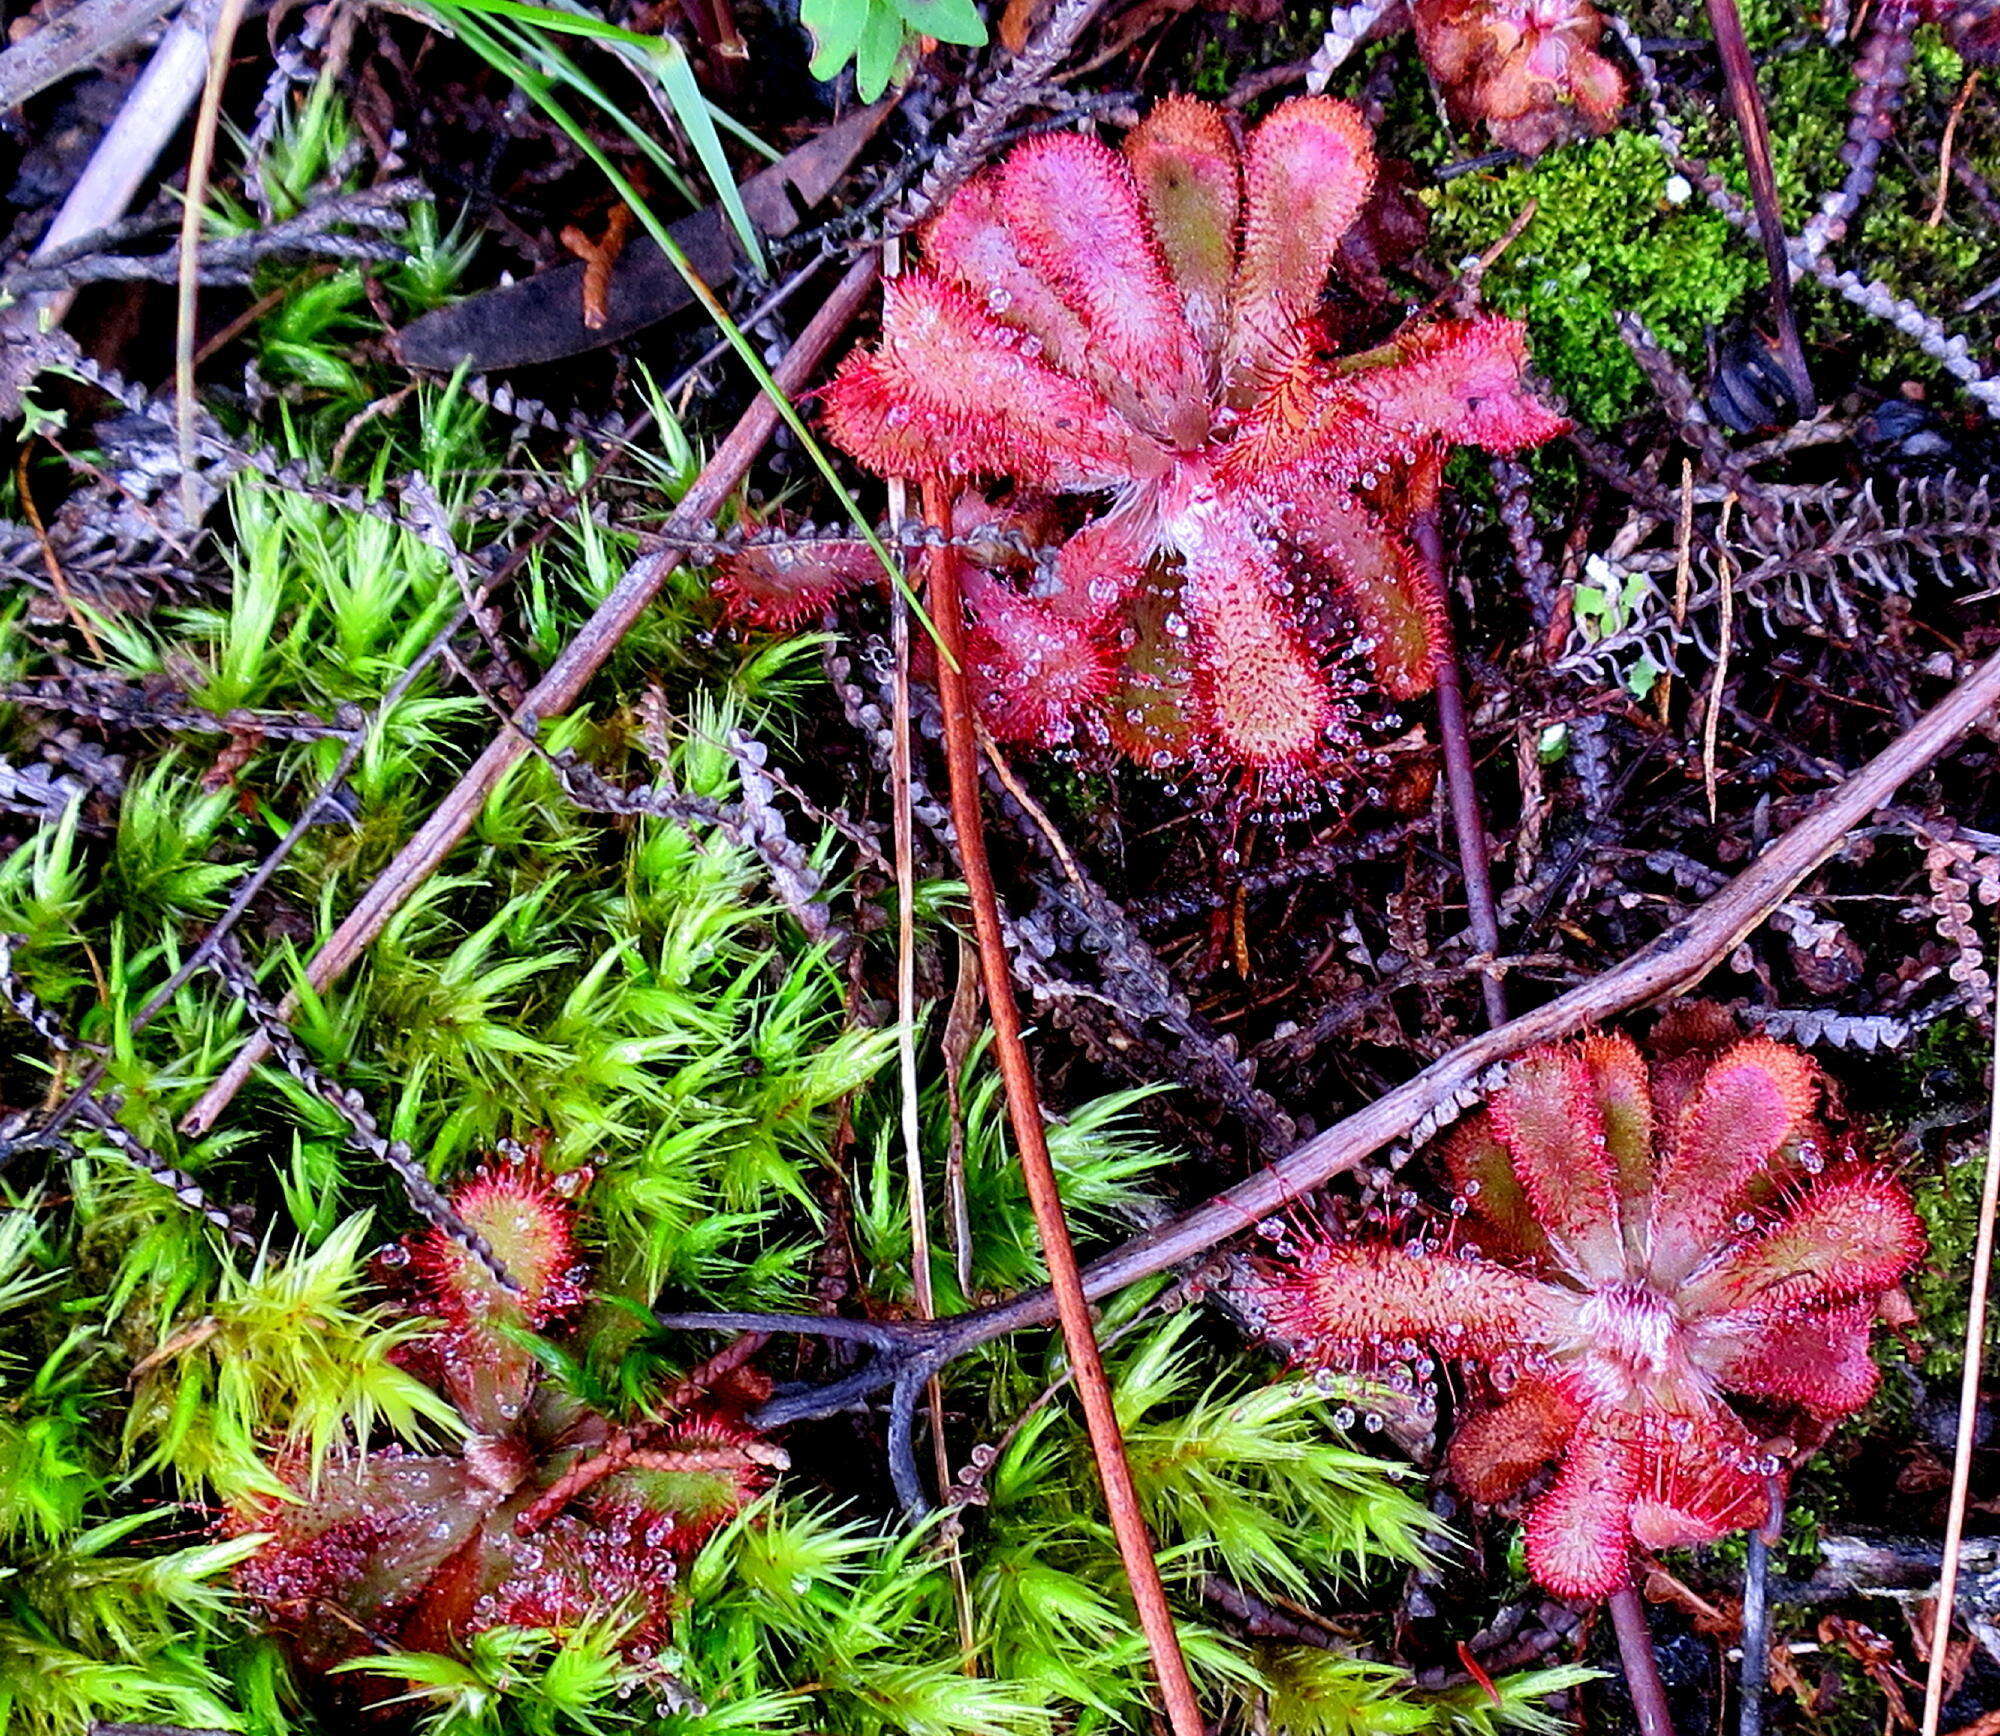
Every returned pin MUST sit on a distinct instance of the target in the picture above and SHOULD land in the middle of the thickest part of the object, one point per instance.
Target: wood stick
(93, 30)
(1674, 962)
(560, 688)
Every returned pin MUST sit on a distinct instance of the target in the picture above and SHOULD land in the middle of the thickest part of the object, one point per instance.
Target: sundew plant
(197, 1346)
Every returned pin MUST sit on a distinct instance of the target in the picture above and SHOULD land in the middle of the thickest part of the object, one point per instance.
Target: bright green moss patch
(1613, 232)
(1607, 237)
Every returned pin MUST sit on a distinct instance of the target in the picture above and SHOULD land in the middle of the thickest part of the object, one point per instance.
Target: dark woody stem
(1739, 73)
(1642, 1668)
(1467, 823)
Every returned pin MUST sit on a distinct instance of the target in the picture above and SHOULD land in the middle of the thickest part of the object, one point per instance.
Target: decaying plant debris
(481, 1249)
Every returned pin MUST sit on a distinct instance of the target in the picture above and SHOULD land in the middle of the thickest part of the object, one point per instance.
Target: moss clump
(1938, 1106)
(1606, 237)
(1611, 233)
(1949, 1205)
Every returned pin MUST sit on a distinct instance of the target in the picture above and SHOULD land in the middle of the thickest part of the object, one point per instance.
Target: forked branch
(908, 1354)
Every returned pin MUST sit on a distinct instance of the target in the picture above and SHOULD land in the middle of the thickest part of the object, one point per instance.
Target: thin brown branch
(1468, 825)
(1945, 148)
(564, 683)
(1024, 1109)
(1676, 961)
(1711, 723)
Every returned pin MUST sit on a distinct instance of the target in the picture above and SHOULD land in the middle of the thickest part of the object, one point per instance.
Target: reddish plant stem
(1642, 1668)
(1467, 823)
(579, 1479)
(560, 688)
(1024, 1111)
(686, 1459)
(1739, 73)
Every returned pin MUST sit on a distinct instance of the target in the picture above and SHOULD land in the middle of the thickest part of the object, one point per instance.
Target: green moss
(1605, 238)
(1949, 1206)
(1939, 1105)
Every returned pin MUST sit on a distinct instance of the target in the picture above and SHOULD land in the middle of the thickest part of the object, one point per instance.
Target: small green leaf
(1587, 608)
(1642, 676)
(948, 20)
(836, 27)
(37, 420)
(881, 43)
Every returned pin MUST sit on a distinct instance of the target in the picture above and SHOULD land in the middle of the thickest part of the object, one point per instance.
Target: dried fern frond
(1827, 551)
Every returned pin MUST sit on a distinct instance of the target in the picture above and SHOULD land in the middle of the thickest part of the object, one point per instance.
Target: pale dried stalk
(208, 122)
(906, 882)
(1968, 1406)
(1711, 723)
(906, 1029)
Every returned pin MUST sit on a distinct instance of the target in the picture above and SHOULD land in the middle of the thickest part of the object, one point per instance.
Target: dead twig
(907, 1353)
(1711, 723)
(1757, 1615)
(904, 820)
(24, 489)
(564, 682)
(93, 30)
(1945, 149)
(232, 261)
